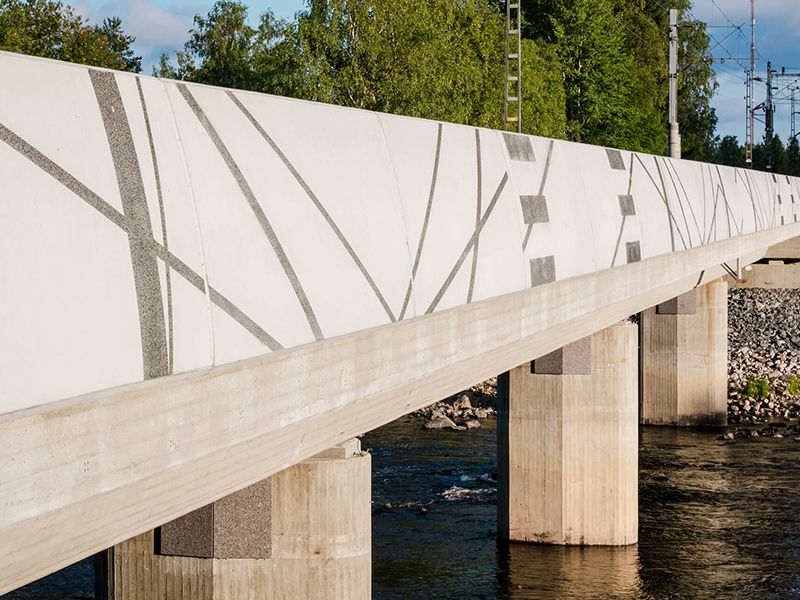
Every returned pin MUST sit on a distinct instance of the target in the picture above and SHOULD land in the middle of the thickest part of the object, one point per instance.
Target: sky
(162, 25)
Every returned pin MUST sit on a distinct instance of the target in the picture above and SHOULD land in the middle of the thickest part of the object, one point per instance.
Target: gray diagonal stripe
(163, 216)
(434, 179)
(472, 241)
(134, 206)
(118, 219)
(541, 189)
(247, 191)
(477, 216)
(313, 197)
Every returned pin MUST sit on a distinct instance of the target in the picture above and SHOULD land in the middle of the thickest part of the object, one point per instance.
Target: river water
(717, 520)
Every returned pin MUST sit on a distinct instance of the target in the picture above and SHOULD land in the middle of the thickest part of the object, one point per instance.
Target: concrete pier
(568, 444)
(684, 353)
(303, 533)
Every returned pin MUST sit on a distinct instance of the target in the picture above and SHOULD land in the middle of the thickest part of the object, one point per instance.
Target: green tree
(778, 152)
(647, 44)
(696, 78)
(598, 75)
(543, 98)
(793, 158)
(697, 85)
(52, 30)
(426, 58)
(729, 152)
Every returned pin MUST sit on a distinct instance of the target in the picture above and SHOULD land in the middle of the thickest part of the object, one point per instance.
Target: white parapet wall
(151, 227)
(203, 287)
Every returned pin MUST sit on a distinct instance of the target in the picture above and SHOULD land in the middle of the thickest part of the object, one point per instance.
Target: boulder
(442, 422)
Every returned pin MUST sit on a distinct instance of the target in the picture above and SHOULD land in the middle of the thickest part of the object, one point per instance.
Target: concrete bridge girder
(251, 280)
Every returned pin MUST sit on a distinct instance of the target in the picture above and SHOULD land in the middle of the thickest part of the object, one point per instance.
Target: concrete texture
(684, 362)
(572, 359)
(790, 249)
(321, 542)
(189, 535)
(568, 449)
(173, 227)
(774, 275)
(213, 432)
(685, 304)
(320, 270)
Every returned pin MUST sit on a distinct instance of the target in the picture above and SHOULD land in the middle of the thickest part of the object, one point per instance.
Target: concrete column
(304, 533)
(685, 359)
(568, 444)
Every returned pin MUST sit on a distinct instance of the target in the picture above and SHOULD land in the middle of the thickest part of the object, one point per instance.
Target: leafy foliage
(757, 388)
(52, 30)
(434, 59)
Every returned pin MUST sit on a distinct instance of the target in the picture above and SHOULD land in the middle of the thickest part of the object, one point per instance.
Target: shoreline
(763, 372)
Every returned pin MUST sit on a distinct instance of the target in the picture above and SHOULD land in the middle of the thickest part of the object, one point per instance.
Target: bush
(759, 388)
(794, 386)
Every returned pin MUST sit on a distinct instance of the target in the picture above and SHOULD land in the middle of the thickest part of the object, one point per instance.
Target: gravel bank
(763, 370)
(763, 356)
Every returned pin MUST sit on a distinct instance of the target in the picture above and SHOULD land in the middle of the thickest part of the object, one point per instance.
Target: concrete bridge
(207, 294)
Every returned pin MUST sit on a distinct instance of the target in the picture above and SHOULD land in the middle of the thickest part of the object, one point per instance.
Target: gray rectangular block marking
(519, 147)
(626, 205)
(543, 270)
(615, 159)
(634, 251)
(780, 200)
(685, 304)
(572, 359)
(534, 209)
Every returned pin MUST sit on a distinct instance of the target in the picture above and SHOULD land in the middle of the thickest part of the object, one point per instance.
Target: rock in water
(462, 403)
(472, 424)
(442, 422)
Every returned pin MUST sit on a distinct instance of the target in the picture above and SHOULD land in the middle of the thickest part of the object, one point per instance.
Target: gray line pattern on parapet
(147, 281)
(728, 210)
(673, 222)
(752, 201)
(543, 270)
(712, 229)
(670, 170)
(662, 195)
(619, 241)
(164, 239)
(630, 177)
(114, 216)
(663, 199)
(541, 190)
(313, 197)
(633, 251)
(261, 217)
(63, 177)
(615, 160)
(477, 215)
(519, 147)
(470, 244)
(425, 222)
